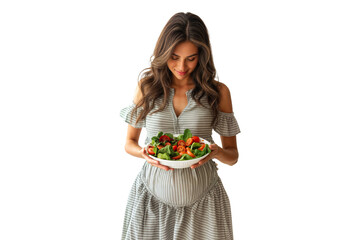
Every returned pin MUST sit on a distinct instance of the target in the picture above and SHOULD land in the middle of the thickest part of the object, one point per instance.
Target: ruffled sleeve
(226, 125)
(125, 113)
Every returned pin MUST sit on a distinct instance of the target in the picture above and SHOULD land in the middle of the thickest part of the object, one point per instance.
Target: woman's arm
(132, 141)
(228, 153)
(132, 138)
(132, 146)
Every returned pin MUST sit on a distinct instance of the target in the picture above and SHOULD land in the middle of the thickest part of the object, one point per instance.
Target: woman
(177, 92)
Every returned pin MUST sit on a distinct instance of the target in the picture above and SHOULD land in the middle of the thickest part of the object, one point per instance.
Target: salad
(183, 147)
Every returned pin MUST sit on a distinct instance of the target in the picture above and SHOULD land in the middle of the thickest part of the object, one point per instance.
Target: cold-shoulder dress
(179, 204)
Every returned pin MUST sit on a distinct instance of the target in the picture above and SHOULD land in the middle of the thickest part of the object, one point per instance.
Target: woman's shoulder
(225, 104)
(223, 89)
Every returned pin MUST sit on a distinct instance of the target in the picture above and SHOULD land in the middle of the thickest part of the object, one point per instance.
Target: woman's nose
(181, 65)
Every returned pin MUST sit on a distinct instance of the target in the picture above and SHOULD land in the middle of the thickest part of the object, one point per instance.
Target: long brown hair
(156, 80)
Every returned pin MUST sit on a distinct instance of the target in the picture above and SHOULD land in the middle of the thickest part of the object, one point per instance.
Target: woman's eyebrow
(187, 56)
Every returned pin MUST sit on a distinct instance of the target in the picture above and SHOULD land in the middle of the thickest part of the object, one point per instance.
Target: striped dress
(179, 204)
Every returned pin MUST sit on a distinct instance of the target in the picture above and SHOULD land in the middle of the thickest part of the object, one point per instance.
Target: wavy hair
(156, 80)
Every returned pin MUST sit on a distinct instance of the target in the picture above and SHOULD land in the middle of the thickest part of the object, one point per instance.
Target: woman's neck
(183, 84)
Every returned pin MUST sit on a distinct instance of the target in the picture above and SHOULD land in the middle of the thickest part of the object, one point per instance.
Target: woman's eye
(177, 58)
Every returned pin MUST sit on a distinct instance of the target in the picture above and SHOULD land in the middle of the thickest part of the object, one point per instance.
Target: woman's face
(183, 60)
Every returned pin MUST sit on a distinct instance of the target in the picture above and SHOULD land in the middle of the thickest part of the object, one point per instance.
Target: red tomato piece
(202, 147)
(167, 143)
(174, 147)
(188, 151)
(196, 139)
(177, 157)
(151, 151)
(164, 138)
(181, 149)
(189, 141)
(181, 143)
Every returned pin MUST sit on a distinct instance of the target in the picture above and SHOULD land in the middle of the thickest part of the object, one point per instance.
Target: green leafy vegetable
(207, 149)
(164, 156)
(169, 135)
(180, 137)
(187, 134)
(168, 150)
(155, 149)
(199, 153)
(185, 157)
(195, 145)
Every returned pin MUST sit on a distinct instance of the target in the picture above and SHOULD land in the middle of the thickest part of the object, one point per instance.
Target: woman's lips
(181, 73)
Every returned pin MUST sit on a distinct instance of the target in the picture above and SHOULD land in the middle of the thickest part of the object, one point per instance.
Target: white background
(68, 67)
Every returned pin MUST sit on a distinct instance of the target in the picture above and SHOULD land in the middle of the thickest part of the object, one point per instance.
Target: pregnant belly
(180, 187)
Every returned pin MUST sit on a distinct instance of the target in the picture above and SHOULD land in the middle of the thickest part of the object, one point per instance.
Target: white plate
(182, 163)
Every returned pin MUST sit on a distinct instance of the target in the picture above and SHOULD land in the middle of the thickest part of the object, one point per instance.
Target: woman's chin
(181, 77)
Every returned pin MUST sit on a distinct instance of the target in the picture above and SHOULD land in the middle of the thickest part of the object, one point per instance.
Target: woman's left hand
(214, 150)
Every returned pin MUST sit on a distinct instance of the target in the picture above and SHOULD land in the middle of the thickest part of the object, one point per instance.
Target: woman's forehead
(185, 49)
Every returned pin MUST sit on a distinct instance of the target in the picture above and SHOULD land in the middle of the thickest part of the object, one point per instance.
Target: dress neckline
(172, 91)
(188, 91)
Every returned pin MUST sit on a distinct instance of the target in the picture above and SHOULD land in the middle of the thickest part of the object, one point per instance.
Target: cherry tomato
(164, 138)
(202, 147)
(189, 141)
(160, 146)
(177, 157)
(196, 139)
(188, 151)
(151, 150)
(167, 144)
(181, 143)
(181, 149)
(174, 147)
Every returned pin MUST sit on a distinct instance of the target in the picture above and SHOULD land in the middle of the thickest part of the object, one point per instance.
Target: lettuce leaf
(198, 153)
(187, 134)
(195, 145)
(185, 157)
(180, 137)
(164, 156)
(169, 135)
(155, 149)
(167, 149)
(205, 151)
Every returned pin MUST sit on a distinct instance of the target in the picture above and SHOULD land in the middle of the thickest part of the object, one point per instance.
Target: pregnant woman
(179, 92)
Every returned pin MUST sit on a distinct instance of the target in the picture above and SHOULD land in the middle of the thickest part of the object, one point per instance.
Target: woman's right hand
(153, 162)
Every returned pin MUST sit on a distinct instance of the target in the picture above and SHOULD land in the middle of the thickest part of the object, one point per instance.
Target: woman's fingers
(166, 168)
(214, 150)
(201, 162)
(154, 162)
